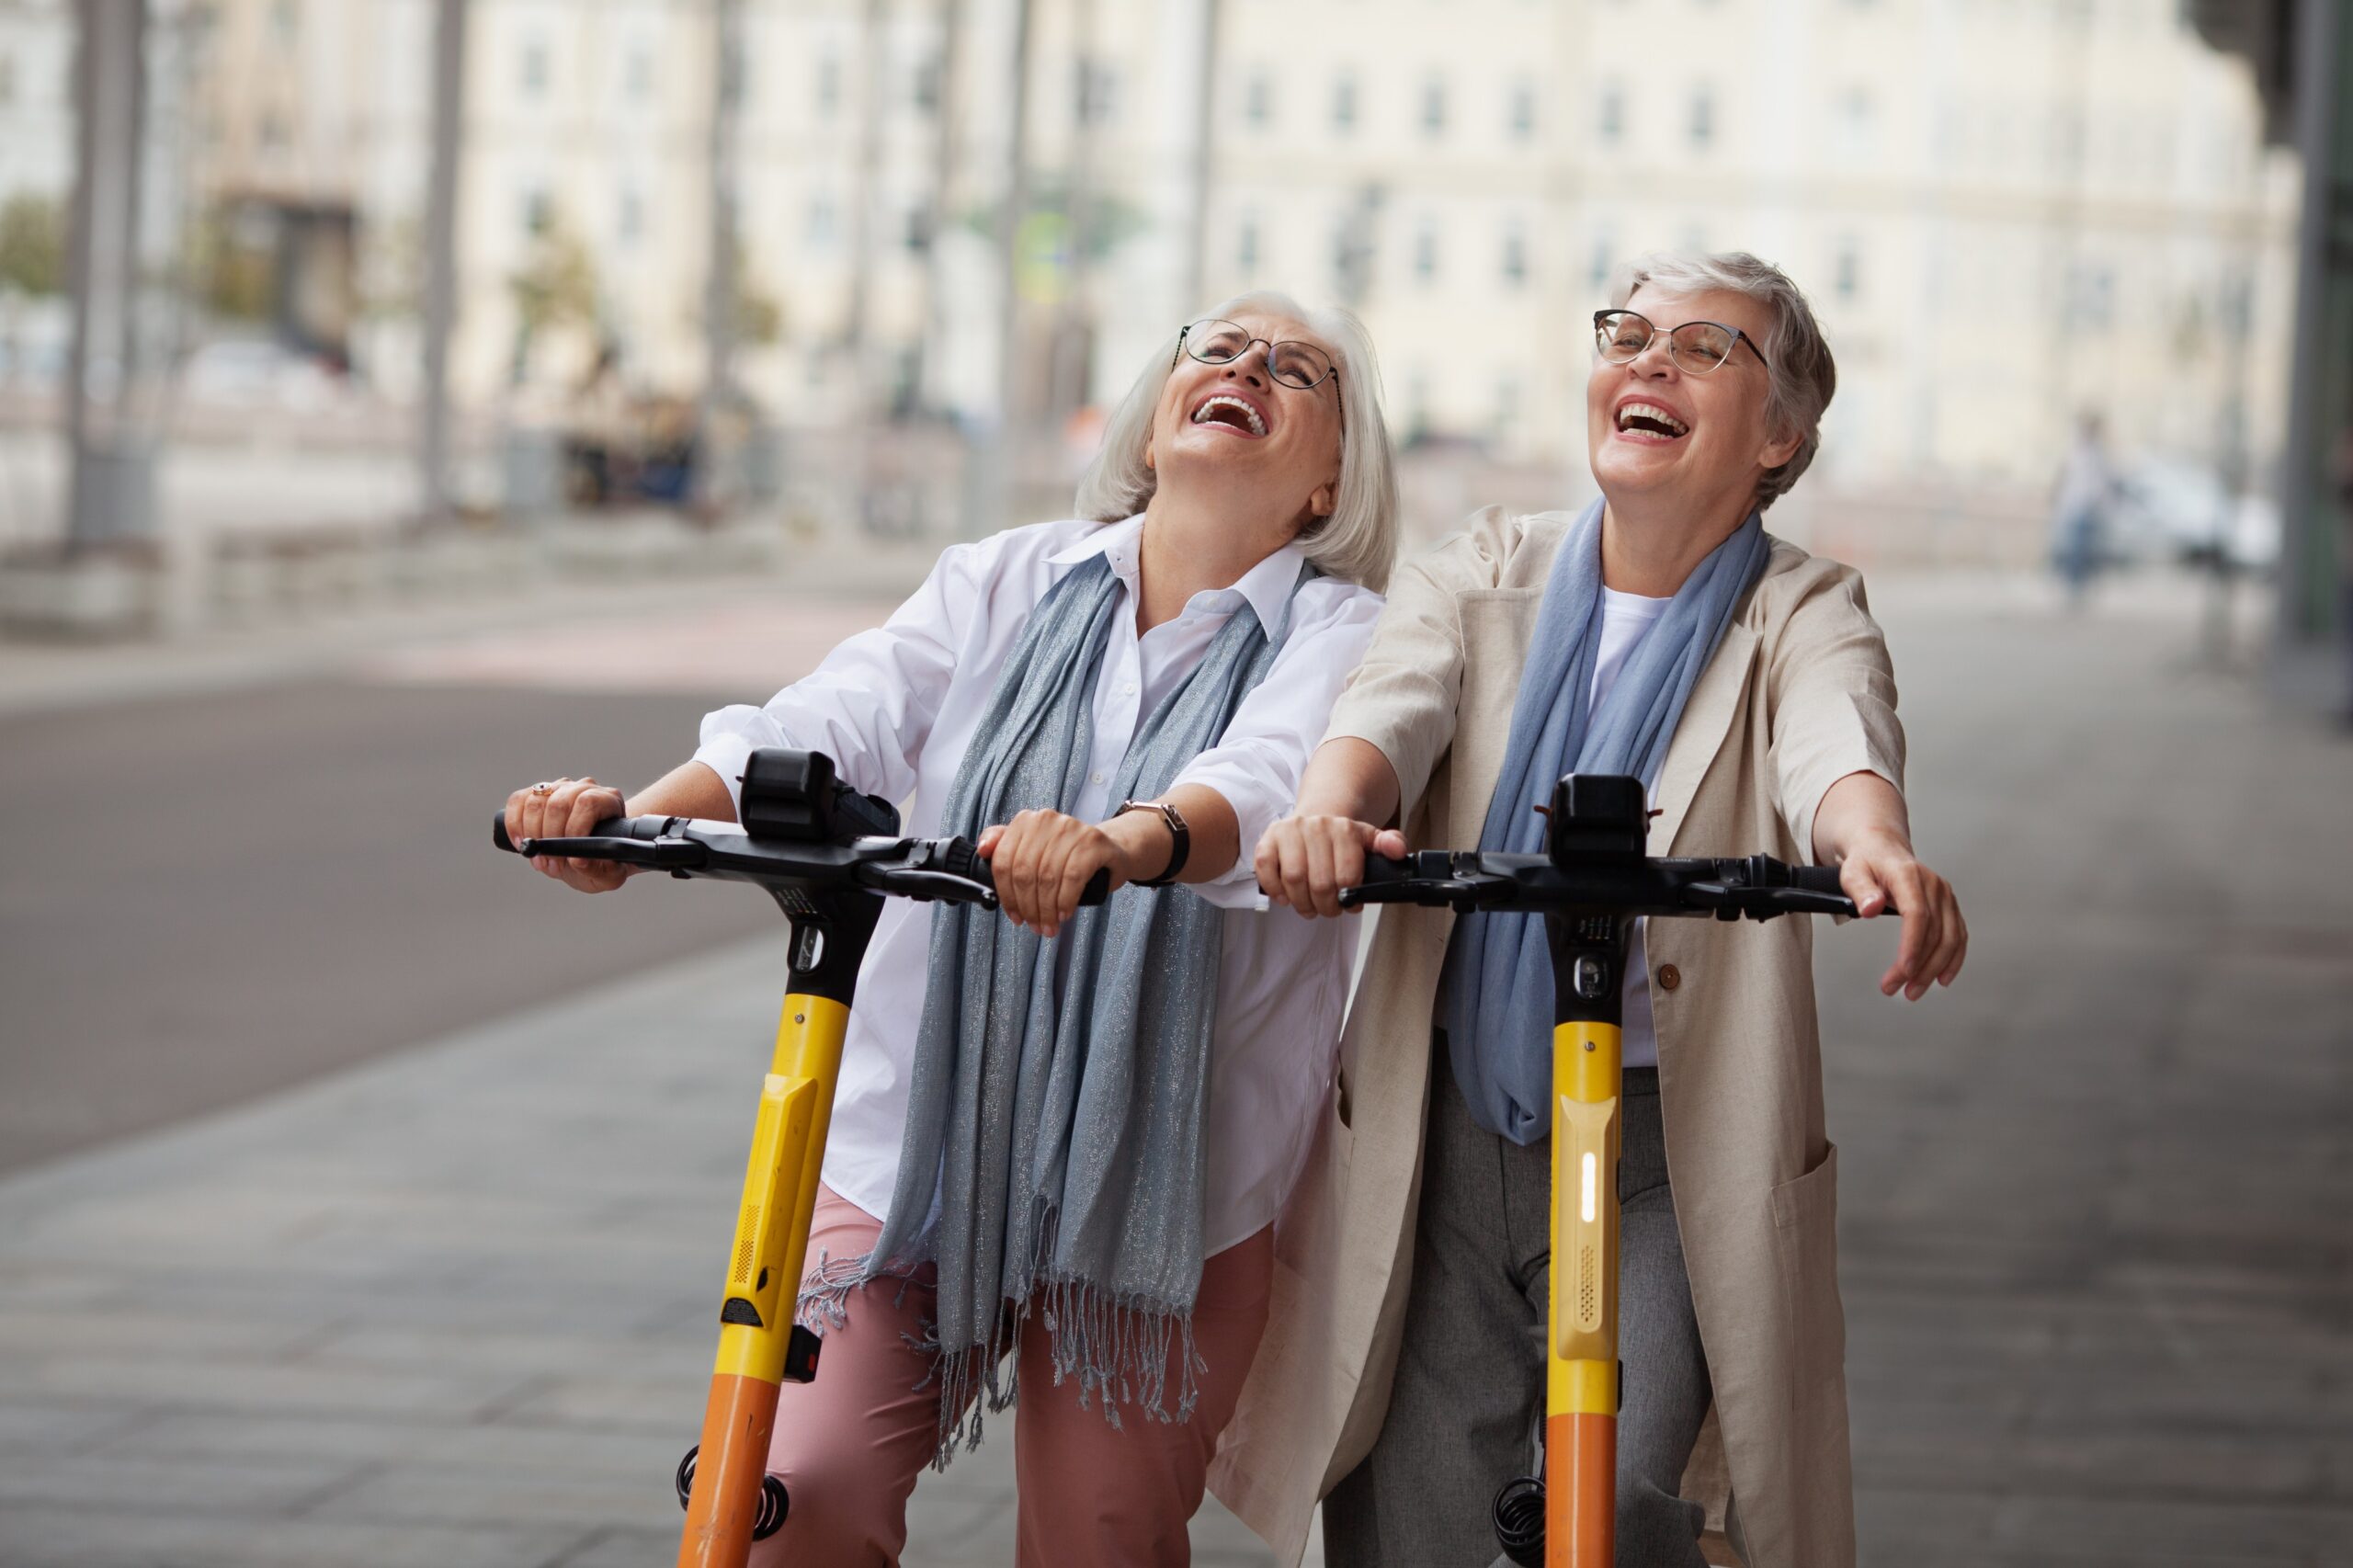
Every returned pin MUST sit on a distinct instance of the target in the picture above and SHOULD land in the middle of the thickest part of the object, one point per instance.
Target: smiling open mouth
(1649, 419)
(1221, 408)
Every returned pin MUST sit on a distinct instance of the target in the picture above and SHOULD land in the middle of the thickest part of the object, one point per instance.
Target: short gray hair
(1359, 542)
(1801, 372)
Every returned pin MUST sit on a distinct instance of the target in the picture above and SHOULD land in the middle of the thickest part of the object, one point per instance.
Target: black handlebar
(920, 869)
(1757, 886)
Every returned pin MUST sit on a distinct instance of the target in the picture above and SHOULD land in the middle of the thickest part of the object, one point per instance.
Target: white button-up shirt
(896, 706)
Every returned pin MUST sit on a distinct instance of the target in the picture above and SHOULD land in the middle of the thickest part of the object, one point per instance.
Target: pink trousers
(851, 1444)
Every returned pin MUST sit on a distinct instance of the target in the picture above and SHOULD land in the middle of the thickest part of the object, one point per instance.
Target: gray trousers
(1469, 1400)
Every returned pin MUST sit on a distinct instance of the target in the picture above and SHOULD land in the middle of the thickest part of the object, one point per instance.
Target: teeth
(1249, 415)
(1651, 410)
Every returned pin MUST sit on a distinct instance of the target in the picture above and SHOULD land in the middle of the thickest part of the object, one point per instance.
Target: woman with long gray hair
(1062, 1138)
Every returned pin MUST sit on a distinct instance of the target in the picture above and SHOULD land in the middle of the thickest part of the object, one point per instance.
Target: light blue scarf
(1052, 1160)
(1499, 983)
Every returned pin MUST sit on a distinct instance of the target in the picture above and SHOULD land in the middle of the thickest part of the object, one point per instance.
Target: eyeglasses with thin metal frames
(1605, 334)
(1186, 345)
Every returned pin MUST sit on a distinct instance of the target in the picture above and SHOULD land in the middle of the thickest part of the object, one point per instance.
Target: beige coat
(1800, 694)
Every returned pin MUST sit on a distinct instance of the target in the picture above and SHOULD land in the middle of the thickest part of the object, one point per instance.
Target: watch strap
(1176, 829)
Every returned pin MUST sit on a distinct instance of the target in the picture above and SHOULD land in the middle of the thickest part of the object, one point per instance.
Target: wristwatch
(1183, 835)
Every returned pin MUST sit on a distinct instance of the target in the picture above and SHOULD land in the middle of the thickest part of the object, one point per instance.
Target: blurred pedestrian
(2087, 484)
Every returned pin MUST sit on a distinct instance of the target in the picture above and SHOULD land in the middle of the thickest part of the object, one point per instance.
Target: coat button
(1669, 977)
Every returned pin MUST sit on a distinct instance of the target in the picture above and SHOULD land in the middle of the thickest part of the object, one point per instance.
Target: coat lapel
(1497, 624)
(1699, 734)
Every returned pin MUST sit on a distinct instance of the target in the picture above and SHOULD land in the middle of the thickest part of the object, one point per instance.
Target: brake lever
(925, 886)
(1458, 894)
(1763, 903)
(667, 853)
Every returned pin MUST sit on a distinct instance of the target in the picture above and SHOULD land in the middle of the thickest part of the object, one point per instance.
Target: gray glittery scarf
(1053, 1157)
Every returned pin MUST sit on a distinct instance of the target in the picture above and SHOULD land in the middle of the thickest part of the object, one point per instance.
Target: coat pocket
(1806, 1225)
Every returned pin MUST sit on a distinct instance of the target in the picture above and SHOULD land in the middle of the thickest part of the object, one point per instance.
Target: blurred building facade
(2007, 210)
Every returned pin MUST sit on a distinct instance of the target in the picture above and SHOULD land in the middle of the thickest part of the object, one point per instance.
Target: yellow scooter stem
(763, 1282)
(1581, 1382)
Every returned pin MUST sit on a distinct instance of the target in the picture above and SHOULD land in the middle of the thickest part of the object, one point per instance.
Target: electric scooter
(1591, 885)
(828, 856)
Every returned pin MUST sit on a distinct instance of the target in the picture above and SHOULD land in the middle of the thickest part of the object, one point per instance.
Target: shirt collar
(1267, 587)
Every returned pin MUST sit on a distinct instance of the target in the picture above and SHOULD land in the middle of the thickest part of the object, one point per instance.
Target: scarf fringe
(1116, 1345)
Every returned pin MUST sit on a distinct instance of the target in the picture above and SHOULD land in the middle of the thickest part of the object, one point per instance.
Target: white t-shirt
(1624, 618)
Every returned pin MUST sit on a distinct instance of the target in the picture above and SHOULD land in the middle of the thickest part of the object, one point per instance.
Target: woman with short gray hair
(1061, 1137)
(1661, 634)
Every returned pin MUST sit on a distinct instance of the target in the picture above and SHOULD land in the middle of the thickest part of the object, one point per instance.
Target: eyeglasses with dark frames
(1302, 367)
(1697, 346)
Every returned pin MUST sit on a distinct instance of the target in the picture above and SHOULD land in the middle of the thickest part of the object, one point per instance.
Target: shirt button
(1096, 776)
(1669, 977)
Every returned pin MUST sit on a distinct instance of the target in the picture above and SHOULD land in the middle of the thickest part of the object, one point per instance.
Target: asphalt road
(205, 899)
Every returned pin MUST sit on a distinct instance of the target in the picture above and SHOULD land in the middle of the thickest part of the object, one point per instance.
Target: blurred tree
(232, 265)
(759, 315)
(556, 289)
(32, 244)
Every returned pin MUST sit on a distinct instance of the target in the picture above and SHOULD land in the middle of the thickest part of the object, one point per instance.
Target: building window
(1604, 258)
(1344, 104)
(1703, 118)
(1091, 93)
(829, 85)
(916, 231)
(823, 223)
(631, 222)
(1434, 106)
(926, 87)
(1257, 101)
(1425, 252)
(1613, 118)
(1245, 246)
(1847, 276)
(1521, 120)
(534, 67)
(1515, 258)
(638, 73)
(538, 212)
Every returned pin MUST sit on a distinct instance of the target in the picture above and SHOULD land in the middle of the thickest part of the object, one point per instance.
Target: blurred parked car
(248, 373)
(2170, 509)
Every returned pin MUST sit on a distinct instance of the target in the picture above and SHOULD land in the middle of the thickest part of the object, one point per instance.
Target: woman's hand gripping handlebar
(920, 869)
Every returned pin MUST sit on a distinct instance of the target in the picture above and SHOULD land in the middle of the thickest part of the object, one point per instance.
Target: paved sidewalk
(453, 1309)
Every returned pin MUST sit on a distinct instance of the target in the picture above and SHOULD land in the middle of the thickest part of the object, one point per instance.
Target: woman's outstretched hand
(1878, 872)
(1042, 861)
(1304, 861)
(566, 808)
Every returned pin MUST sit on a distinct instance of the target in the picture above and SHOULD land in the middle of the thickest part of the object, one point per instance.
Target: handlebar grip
(1816, 878)
(611, 827)
(963, 860)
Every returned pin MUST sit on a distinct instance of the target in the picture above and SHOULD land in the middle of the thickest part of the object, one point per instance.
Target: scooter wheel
(776, 1503)
(774, 1506)
(1519, 1521)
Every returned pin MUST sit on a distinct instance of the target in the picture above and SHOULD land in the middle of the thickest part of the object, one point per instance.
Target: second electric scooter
(828, 856)
(1591, 885)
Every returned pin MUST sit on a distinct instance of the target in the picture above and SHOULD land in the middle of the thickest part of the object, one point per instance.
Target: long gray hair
(1359, 542)
(1800, 374)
